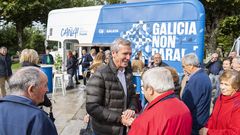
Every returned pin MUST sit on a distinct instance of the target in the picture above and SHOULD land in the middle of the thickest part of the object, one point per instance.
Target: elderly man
(232, 54)
(214, 66)
(236, 63)
(5, 69)
(157, 61)
(110, 92)
(197, 92)
(165, 114)
(19, 113)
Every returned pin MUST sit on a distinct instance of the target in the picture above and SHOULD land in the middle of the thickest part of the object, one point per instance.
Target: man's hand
(127, 121)
(128, 113)
(203, 131)
(127, 117)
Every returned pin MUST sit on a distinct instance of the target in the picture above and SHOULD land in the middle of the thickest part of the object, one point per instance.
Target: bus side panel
(171, 28)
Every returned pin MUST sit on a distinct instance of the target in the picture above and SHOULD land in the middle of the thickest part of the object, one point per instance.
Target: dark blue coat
(214, 67)
(19, 116)
(197, 96)
(5, 66)
(72, 65)
(44, 59)
(86, 59)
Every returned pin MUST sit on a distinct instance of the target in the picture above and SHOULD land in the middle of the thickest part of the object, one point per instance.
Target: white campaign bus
(171, 28)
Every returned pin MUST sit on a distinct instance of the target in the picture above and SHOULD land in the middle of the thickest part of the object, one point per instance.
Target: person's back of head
(27, 82)
(30, 56)
(93, 52)
(159, 79)
(191, 59)
(107, 54)
(70, 54)
(99, 57)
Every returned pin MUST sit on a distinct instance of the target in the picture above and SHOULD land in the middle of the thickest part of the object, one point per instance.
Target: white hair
(23, 78)
(119, 41)
(159, 78)
(191, 59)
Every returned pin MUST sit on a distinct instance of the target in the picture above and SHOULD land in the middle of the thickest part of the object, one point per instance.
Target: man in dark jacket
(5, 69)
(214, 66)
(86, 62)
(157, 61)
(21, 116)
(197, 92)
(47, 58)
(110, 92)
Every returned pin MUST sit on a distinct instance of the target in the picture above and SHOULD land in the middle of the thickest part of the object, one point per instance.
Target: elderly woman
(29, 57)
(226, 66)
(225, 117)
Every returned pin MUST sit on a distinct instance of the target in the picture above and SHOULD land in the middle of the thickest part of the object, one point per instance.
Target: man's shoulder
(199, 74)
(19, 102)
(103, 68)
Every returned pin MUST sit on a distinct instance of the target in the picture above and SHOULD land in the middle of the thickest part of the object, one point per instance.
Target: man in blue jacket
(197, 92)
(19, 114)
(5, 69)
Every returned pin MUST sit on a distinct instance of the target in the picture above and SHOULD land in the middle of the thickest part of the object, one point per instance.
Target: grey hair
(119, 41)
(191, 59)
(159, 78)
(23, 78)
(107, 52)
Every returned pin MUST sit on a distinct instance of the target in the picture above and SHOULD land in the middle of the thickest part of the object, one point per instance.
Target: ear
(113, 53)
(30, 90)
(150, 90)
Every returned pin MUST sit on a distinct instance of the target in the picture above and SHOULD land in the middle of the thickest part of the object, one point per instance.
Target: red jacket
(225, 118)
(167, 117)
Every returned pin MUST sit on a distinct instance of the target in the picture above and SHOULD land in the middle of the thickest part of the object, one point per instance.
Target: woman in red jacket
(225, 117)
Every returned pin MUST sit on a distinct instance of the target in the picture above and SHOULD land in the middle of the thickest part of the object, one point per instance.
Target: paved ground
(69, 111)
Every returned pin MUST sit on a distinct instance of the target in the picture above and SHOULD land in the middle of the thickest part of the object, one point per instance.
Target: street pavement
(69, 110)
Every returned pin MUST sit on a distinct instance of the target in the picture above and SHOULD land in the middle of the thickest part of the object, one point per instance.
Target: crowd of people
(173, 107)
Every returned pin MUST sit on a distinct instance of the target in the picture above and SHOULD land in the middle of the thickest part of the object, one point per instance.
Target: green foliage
(221, 27)
(58, 63)
(229, 30)
(34, 39)
(114, 1)
(230, 25)
(8, 38)
(15, 66)
(22, 13)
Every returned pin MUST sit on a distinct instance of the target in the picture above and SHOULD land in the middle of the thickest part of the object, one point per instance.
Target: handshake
(127, 117)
